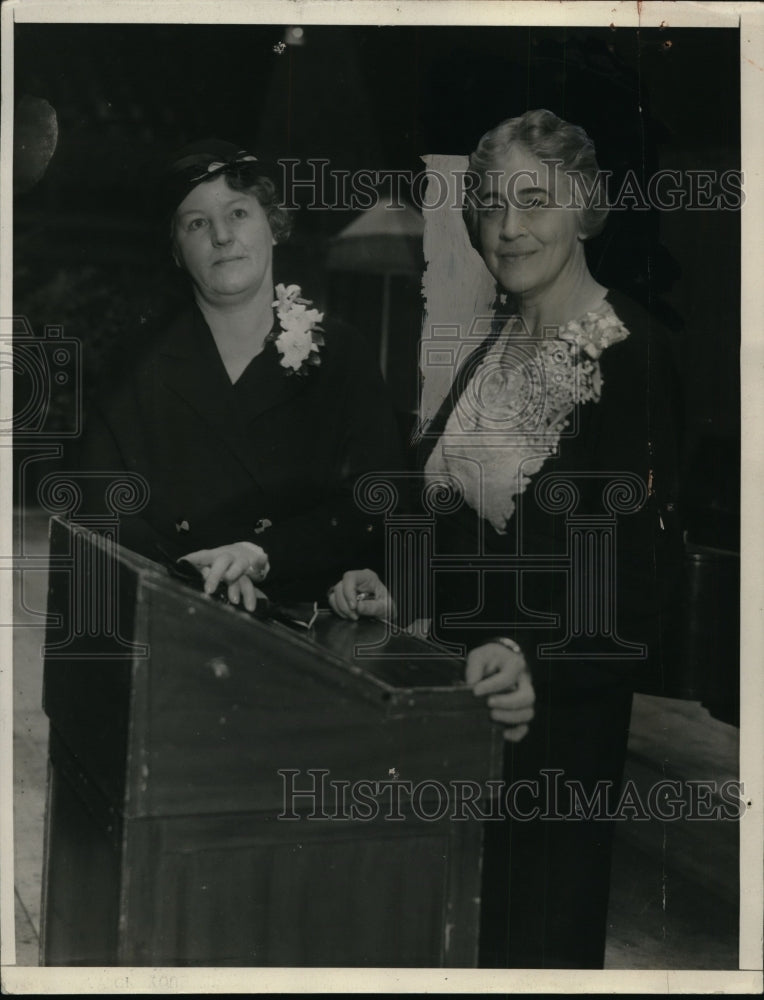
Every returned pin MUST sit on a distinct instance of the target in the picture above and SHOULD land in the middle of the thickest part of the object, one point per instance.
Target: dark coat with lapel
(271, 459)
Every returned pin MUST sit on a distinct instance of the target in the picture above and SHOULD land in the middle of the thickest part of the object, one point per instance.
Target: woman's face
(223, 239)
(527, 242)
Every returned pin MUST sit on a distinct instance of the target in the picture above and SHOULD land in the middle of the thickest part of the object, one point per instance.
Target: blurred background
(99, 108)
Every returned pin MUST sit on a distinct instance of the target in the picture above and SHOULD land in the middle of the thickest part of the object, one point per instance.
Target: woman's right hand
(502, 676)
(361, 593)
(239, 565)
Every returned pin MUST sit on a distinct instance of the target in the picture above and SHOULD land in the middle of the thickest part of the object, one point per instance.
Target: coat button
(182, 526)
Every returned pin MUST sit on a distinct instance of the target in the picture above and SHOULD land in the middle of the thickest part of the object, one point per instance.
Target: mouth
(227, 260)
(516, 254)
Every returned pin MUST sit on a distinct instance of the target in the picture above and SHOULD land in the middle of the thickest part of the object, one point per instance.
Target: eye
(240, 213)
(195, 224)
(493, 207)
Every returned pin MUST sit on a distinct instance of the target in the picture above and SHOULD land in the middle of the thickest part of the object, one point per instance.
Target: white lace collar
(509, 419)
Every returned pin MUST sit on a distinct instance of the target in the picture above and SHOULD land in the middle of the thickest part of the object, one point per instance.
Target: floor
(674, 900)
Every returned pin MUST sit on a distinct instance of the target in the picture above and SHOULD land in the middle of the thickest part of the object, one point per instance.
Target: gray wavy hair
(548, 138)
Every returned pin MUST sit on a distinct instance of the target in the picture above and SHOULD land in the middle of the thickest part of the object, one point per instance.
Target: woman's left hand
(502, 674)
(240, 565)
(361, 593)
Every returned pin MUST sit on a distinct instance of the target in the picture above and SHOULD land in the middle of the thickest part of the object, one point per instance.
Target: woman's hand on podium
(361, 594)
(498, 670)
(239, 565)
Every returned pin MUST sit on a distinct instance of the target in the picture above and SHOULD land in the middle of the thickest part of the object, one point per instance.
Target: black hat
(203, 161)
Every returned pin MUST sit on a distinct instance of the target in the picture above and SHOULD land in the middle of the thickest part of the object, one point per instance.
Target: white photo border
(750, 18)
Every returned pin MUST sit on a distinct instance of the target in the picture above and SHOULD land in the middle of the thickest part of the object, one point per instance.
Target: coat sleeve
(631, 435)
(634, 433)
(100, 458)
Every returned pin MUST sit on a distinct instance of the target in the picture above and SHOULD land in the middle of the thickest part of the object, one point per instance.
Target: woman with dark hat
(247, 417)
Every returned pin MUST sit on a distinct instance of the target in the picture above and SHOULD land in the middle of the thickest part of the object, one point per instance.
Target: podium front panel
(186, 771)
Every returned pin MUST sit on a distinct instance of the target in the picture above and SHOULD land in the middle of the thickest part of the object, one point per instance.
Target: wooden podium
(228, 791)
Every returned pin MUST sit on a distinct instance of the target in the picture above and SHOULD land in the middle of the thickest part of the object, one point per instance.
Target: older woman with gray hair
(560, 432)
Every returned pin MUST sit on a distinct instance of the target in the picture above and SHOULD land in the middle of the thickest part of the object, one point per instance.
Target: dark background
(88, 254)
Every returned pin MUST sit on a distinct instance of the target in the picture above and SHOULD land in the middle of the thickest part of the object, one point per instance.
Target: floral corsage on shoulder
(301, 335)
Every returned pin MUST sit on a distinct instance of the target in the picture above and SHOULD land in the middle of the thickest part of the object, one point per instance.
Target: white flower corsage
(301, 336)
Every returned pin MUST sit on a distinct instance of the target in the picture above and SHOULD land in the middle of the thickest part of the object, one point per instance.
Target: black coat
(546, 880)
(271, 459)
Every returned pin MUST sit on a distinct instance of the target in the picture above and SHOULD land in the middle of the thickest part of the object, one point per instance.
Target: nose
(220, 233)
(513, 223)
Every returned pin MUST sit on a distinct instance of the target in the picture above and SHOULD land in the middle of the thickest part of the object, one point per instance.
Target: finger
(236, 564)
(372, 608)
(234, 593)
(516, 733)
(509, 703)
(238, 567)
(349, 588)
(480, 662)
(512, 717)
(200, 558)
(362, 581)
(256, 565)
(344, 607)
(418, 628)
(503, 680)
(492, 670)
(217, 569)
(506, 678)
(355, 582)
(341, 610)
(260, 570)
(248, 593)
(523, 696)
